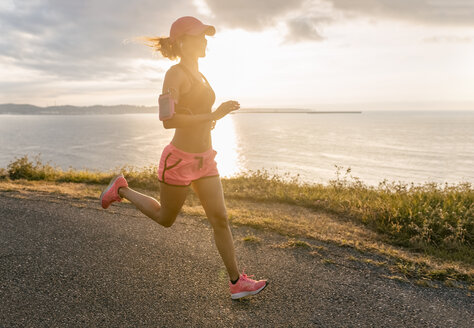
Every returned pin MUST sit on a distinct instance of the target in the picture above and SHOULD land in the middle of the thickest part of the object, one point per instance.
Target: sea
(373, 146)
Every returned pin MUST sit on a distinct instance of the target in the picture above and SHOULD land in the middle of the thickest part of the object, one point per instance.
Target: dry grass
(292, 243)
(76, 190)
(294, 221)
(289, 220)
(433, 219)
(252, 239)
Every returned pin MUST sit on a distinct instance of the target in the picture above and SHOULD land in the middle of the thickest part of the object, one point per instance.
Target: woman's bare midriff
(197, 138)
(194, 139)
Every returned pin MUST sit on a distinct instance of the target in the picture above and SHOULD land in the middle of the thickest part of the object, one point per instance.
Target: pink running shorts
(179, 168)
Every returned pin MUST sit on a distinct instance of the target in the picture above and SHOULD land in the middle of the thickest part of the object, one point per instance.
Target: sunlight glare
(224, 141)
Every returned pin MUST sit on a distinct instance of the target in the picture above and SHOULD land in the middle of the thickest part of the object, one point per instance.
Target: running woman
(188, 160)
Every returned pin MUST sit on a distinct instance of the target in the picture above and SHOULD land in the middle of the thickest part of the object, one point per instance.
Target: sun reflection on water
(224, 141)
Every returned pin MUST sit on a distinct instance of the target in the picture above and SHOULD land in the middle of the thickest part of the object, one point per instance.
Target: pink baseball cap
(189, 25)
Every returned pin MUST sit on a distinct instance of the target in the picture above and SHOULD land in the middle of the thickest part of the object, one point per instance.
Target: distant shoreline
(26, 109)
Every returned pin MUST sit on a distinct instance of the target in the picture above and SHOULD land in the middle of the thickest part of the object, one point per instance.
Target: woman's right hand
(225, 108)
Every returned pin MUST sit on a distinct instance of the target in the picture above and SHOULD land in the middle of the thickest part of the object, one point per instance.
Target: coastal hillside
(26, 109)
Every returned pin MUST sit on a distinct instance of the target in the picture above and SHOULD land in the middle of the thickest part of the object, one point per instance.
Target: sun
(237, 63)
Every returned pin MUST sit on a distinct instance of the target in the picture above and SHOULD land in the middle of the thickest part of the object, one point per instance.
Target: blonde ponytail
(164, 45)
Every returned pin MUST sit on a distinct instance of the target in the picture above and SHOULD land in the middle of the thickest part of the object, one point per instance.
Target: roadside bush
(23, 168)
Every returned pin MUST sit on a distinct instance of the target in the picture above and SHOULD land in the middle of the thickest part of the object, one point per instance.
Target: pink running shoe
(246, 286)
(110, 194)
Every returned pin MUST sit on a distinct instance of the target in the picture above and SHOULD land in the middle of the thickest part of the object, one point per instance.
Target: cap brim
(210, 30)
(206, 29)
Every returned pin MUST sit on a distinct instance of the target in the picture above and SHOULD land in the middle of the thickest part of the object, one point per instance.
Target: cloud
(304, 18)
(449, 39)
(437, 12)
(301, 17)
(302, 29)
(250, 14)
(82, 39)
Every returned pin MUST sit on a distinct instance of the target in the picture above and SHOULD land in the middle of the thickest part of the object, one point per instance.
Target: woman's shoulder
(174, 70)
(175, 75)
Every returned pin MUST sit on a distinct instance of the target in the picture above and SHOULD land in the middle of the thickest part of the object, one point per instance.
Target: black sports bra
(199, 99)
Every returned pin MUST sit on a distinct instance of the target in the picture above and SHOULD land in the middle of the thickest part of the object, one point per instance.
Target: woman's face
(194, 46)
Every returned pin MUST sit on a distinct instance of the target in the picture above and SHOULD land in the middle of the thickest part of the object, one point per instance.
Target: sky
(315, 54)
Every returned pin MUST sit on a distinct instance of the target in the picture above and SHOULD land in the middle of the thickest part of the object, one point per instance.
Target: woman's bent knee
(219, 222)
(167, 224)
(165, 220)
(164, 223)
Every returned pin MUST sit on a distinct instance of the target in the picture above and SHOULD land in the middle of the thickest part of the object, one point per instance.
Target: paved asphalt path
(67, 263)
